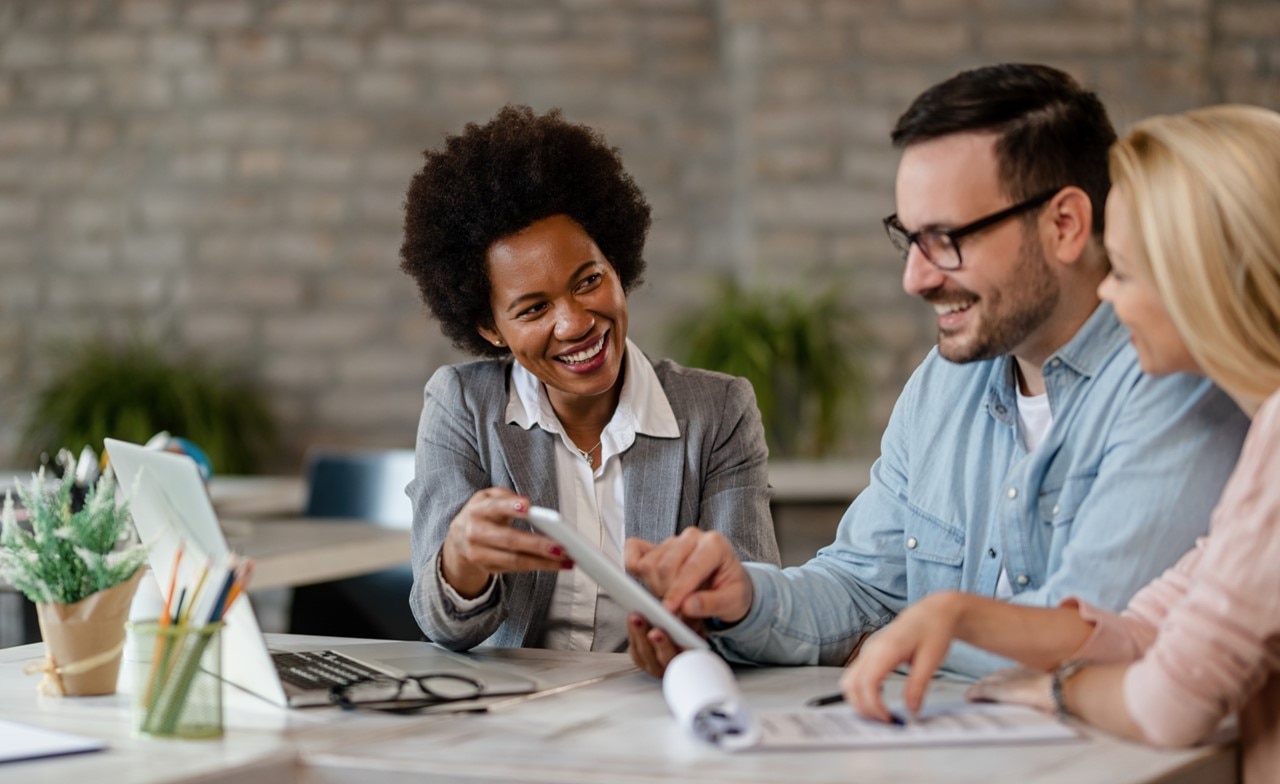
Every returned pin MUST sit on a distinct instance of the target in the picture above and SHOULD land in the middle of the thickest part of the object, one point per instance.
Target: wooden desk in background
(298, 551)
(253, 497)
(261, 519)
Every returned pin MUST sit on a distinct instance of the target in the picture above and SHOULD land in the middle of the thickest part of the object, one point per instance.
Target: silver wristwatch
(1059, 676)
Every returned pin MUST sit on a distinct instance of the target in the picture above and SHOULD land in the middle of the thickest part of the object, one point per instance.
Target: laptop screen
(170, 505)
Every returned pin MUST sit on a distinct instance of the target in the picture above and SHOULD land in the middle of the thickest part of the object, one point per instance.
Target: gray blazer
(714, 476)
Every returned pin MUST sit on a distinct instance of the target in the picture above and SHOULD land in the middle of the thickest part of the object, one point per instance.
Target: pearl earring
(498, 343)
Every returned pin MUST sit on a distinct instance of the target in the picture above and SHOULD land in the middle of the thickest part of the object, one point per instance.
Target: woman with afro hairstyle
(524, 235)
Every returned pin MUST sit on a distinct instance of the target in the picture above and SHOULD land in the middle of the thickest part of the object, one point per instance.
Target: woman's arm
(461, 526)
(449, 471)
(1094, 694)
(1216, 617)
(1040, 637)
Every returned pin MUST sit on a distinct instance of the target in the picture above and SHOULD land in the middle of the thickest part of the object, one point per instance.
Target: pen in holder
(178, 683)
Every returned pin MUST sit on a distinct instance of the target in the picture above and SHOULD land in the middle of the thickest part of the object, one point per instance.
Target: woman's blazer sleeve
(735, 490)
(450, 468)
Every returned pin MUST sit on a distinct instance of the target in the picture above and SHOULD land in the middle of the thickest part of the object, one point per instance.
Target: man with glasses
(1028, 457)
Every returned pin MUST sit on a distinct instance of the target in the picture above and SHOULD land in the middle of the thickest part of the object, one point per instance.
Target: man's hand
(697, 576)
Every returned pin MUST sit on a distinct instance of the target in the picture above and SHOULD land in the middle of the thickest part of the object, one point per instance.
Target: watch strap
(1057, 679)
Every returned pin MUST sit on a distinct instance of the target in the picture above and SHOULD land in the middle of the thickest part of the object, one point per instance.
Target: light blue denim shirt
(1121, 487)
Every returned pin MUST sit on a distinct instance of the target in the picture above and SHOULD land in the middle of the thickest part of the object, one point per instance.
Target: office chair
(369, 486)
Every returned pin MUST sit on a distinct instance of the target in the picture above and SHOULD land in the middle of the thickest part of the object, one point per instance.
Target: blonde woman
(1193, 232)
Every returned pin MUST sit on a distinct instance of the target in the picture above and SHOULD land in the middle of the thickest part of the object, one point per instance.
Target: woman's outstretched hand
(481, 543)
(920, 637)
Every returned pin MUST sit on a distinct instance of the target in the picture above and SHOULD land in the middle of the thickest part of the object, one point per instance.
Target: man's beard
(1008, 316)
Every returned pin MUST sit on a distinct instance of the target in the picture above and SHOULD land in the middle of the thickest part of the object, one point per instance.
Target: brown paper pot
(83, 641)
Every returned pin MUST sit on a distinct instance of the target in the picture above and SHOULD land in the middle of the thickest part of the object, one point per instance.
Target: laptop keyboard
(321, 669)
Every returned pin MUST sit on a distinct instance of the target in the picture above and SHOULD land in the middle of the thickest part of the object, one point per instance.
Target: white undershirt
(1034, 420)
(582, 616)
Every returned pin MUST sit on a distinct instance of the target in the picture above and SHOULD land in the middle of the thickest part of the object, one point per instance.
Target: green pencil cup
(178, 680)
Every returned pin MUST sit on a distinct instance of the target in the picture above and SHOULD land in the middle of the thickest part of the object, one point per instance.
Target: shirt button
(1023, 579)
(991, 553)
(1056, 509)
(1000, 410)
(1013, 493)
(1055, 362)
(912, 542)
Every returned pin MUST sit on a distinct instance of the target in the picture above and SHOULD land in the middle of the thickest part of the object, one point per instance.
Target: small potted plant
(132, 389)
(800, 353)
(80, 564)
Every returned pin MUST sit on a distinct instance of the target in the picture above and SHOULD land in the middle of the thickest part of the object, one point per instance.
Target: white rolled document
(704, 698)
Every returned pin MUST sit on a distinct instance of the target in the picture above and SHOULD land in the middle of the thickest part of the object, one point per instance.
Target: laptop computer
(170, 505)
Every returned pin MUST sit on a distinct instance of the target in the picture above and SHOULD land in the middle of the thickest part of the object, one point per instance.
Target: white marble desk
(620, 730)
(616, 729)
(262, 742)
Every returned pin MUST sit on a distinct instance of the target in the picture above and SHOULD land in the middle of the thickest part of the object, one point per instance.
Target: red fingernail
(658, 636)
(566, 563)
(637, 622)
(556, 551)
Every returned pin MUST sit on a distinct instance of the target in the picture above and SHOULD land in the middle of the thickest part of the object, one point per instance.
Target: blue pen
(177, 608)
(219, 604)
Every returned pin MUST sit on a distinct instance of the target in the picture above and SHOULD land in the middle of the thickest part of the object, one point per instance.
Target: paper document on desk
(24, 742)
(965, 723)
(705, 700)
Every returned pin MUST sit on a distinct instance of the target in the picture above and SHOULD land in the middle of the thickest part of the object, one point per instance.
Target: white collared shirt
(582, 616)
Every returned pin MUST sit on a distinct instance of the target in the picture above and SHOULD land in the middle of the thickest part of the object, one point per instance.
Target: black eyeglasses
(941, 247)
(389, 695)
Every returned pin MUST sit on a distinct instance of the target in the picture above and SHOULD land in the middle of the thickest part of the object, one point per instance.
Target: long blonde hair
(1204, 187)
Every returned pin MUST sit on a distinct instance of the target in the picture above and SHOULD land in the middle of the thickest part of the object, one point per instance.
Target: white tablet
(633, 596)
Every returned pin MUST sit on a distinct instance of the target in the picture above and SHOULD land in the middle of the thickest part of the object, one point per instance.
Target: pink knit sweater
(1205, 636)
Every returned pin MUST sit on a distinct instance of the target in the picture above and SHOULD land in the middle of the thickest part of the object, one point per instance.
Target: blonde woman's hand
(920, 637)
(1020, 685)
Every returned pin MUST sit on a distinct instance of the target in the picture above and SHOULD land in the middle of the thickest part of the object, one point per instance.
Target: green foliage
(67, 556)
(134, 391)
(798, 353)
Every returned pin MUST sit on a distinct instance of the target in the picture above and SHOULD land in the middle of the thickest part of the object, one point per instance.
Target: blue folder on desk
(170, 506)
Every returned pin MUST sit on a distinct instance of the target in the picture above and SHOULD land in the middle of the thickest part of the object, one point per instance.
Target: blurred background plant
(802, 355)
(133, 390)
(68, 554)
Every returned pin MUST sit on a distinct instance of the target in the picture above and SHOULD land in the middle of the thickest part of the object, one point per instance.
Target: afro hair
(493, 181)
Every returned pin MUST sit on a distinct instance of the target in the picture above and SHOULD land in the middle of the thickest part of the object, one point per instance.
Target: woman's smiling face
(557, 303)
(1132, 292)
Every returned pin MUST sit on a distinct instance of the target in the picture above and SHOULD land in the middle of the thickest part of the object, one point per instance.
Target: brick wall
(228, 174)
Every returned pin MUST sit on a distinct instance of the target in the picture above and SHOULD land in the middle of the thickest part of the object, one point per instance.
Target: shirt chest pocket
(1058, 505)
(931, 543)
